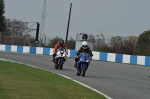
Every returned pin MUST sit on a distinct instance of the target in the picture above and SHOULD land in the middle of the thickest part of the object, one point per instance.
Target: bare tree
(19, 28)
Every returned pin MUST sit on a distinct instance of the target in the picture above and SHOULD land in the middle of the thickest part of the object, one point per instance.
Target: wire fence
(124, 46)
(24, 34)
(104, 45)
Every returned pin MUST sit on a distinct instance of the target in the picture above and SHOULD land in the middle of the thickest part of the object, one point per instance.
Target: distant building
(80, 38)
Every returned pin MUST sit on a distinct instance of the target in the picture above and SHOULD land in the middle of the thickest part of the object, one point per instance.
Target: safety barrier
(103, 56)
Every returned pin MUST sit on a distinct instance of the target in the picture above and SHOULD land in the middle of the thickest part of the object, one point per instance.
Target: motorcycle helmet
(84, 45)
(61, 42)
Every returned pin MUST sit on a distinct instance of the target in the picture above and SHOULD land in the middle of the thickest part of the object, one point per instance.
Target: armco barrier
(103, 56)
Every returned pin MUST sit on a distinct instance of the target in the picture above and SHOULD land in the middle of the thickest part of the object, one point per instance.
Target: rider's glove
(76, 56)
(66, 53)
(90, 58)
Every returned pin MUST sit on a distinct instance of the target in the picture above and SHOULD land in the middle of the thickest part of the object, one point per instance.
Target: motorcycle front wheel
(61, 63)
(84, 67)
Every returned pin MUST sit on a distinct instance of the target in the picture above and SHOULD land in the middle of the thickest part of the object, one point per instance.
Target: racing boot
(76, 62)
(75, 65)
(53, 57)
(65, 59)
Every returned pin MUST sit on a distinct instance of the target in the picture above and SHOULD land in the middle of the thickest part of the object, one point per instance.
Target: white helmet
(84, 45)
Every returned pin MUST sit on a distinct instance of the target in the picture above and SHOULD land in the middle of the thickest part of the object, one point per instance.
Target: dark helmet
(61, 42)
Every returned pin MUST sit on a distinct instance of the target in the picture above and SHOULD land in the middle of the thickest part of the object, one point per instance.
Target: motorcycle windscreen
(84, 57)
(61, 49)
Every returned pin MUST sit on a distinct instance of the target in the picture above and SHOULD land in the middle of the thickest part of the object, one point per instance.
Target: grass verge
(19, 81)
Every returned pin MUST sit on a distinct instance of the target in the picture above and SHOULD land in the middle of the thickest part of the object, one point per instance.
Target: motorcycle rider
(57, 46)
(83, 48)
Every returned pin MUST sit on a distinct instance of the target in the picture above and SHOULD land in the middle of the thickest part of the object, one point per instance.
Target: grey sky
(113, 17)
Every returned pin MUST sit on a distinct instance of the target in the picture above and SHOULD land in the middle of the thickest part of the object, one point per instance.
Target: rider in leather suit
(57, 46)
(83, 48)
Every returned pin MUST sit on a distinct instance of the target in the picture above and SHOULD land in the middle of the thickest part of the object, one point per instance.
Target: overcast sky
(113, 17)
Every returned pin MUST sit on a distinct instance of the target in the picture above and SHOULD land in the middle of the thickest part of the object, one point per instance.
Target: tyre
(61, 63)
(83, 70)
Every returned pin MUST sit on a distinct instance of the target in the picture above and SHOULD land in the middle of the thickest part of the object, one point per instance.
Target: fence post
(134, 47)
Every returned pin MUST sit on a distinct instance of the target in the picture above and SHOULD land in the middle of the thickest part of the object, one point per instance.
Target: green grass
(19, 81)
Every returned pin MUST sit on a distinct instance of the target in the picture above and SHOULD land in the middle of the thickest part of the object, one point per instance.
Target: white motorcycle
(60, 58)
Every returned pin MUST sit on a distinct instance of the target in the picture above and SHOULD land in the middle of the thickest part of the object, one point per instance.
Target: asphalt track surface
(118, 81)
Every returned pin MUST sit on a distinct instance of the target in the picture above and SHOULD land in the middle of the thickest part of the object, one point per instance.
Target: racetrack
(118, 81)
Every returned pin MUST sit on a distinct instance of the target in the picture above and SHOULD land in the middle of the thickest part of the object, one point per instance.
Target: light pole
(44, 40)
(43, 21)
(12, 35)
(68, 23)
(98, 40)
